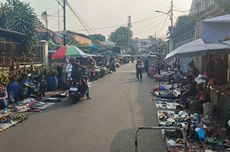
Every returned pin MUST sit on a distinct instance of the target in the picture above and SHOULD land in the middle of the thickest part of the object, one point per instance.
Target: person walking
(139, 68)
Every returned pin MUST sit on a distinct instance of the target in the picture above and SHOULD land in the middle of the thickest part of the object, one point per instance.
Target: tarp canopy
(216, 29)
(198, 48)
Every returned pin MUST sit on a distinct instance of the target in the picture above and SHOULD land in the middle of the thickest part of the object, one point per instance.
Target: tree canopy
(121, 36)
(99, 37)
(183, 24)
(19, 16)
(224, 4)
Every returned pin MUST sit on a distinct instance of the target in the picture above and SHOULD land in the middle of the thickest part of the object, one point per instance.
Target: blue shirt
(13, 89)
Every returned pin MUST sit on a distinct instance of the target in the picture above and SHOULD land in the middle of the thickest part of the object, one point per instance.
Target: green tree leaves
(19, 16)
(121, 36)
(224, 4)
(99, 37)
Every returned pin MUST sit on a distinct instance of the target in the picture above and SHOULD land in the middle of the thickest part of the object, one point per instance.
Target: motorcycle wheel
(75, 99)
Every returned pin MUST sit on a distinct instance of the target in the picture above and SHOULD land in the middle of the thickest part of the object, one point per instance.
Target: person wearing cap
(3, 99)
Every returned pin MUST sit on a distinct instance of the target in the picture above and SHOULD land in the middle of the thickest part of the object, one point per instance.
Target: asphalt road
(105, 123)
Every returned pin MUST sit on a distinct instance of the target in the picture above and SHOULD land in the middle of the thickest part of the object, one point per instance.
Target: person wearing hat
(3, 99)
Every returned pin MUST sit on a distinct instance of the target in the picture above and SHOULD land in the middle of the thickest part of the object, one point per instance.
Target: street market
(143, 76)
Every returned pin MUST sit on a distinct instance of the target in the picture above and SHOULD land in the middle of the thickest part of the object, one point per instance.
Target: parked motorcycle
(74, 92)
(33, 86)
(112, 67)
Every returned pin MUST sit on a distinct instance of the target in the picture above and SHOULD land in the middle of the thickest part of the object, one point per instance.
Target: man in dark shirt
(77, 72)
(193, 70)
(77, 75)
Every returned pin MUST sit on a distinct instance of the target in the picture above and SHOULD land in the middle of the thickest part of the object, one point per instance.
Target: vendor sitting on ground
(189, 92)
(177, 76)
(3, 99)
(193, 70)
(196, 104)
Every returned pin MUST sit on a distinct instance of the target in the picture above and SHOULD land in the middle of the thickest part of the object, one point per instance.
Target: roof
(198, 48)
(80, 34)
(12, 32)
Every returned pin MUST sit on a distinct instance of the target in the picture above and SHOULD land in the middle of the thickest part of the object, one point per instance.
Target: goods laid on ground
(31, 105)
(10, 119)
(201, 133)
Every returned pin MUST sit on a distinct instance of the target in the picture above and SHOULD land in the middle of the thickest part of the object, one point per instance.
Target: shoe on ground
(5, 110)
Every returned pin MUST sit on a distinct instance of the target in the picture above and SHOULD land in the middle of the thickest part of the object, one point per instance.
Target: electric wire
(83, 20)
(163, 26)
(78, 18)
(147, 28)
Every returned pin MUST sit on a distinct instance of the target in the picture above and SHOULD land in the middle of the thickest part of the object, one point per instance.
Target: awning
(216, 29)
(198, 48)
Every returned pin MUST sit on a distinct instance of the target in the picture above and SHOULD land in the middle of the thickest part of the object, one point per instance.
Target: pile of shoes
(10, 119)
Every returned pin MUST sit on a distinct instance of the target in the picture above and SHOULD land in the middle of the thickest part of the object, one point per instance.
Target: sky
(105, 16)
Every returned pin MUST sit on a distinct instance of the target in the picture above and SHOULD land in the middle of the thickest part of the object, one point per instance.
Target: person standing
(68, 70)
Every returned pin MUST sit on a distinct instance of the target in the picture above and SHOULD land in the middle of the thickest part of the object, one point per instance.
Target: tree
(99, 37)
(224, 4)
(4, 15)
(183, 24)
(121, 36)
(20, 17)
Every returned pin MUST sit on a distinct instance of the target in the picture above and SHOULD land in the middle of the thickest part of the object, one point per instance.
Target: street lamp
(171, 18)
(162, 12)
(170, 14)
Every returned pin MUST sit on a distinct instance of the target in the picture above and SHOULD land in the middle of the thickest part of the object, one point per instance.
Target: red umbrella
(67, 52)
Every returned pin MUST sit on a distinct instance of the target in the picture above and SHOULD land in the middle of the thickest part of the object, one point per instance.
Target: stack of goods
(174, 140)
(31, 105)
(164, 104)
(10, 119)
(198, 129)
(172, 118)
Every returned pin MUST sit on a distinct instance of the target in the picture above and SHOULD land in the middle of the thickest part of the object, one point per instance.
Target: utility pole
(170, 14)
(171, 46)
(64, 20)
(129, 25)
(59, 27)
(171, 17)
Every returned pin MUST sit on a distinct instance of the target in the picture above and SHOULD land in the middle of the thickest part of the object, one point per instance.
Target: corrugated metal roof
(12, 32)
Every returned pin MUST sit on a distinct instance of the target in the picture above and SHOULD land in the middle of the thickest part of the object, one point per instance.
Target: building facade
(200, 9)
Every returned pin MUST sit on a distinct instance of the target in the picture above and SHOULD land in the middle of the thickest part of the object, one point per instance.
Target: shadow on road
(148, 141)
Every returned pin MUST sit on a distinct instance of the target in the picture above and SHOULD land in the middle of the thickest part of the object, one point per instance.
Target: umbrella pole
(209, 90)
